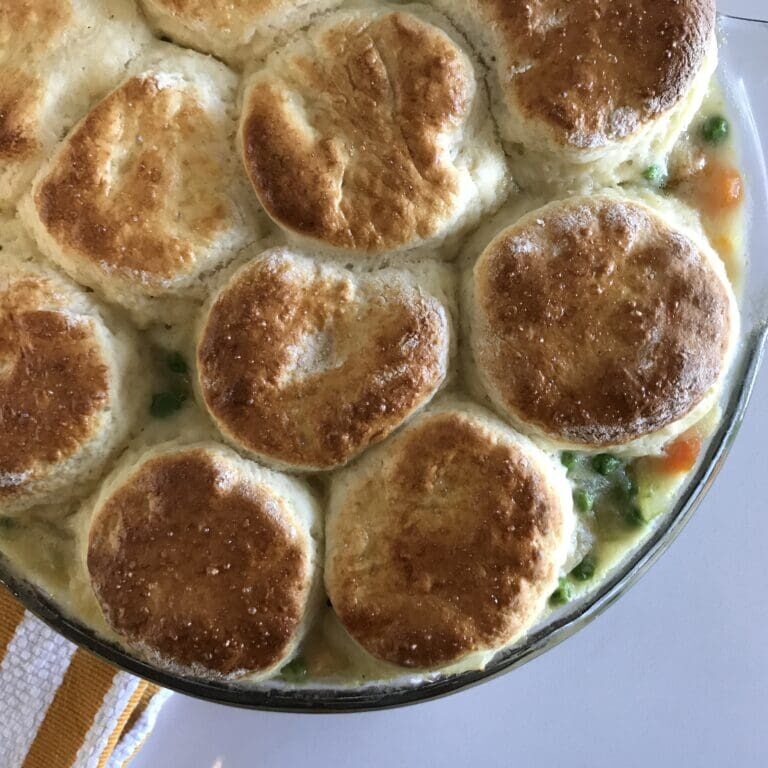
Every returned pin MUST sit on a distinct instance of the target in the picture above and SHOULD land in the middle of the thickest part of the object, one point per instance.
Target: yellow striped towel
(61, 707)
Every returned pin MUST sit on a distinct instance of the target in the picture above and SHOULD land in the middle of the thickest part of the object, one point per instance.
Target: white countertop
(674, 674)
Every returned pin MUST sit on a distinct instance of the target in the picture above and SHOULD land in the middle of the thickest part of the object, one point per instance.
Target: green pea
(585, 570)
(568, 459)
(176, 363)
(715, 129)
(583, 500)
(165, 404)
(562, 594)
(656, 175)
(294, 671)
(605, 464)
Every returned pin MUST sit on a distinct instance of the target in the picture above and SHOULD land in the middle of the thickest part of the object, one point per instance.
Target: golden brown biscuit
(592, 80)
(64, 381)
(235, 30)
(304, 365)
(56, 58)
(368, 134)
(446, 540)
(146, 195)
(204, 561)
(596, 323)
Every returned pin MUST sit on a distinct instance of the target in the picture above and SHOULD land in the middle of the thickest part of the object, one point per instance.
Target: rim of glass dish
(383, 696)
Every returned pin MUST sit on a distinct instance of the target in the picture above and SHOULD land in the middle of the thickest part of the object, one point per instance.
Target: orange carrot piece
(681, 455)
(720, 188)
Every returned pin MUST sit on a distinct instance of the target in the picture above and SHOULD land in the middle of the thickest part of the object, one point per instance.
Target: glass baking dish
(745, 81)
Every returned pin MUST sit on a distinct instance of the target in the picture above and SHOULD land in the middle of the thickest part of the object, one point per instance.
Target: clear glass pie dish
(746, 87)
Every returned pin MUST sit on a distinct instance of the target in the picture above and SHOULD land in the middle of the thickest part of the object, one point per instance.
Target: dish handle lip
(734, 17)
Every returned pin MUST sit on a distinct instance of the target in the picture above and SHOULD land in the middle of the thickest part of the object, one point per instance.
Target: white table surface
(674, 674)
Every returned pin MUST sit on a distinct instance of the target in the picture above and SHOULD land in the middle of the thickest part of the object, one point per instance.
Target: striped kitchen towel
(61, 707)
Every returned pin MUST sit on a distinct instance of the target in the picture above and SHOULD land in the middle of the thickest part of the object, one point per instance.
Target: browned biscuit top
(28, 28)
(132, 192)
(20, 95)
(598, 323)
(54, 380)
(226, 15)
(308, 365)
(594, 71)
(446, 547)
(199, 566)
(344, 139)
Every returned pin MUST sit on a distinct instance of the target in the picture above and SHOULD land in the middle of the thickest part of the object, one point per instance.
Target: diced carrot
(720, 188)
(730, 187)
(681, 455)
